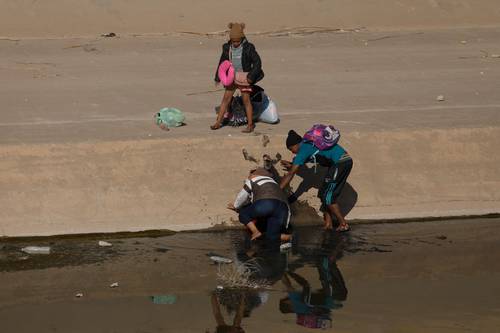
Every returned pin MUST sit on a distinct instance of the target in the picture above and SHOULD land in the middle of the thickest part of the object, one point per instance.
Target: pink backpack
(323, 137)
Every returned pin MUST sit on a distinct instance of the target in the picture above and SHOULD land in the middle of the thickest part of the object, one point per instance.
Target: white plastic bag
(270, 114)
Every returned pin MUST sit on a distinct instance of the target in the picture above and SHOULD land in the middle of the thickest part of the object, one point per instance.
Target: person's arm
(256, 65)
(285, 181)
(244, 196)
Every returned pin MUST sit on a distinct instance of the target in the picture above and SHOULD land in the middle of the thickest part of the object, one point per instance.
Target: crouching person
(262, 199)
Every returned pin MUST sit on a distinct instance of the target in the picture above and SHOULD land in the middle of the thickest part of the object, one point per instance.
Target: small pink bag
(226, 73)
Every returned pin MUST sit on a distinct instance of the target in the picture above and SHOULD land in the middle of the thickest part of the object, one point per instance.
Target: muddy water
(413, 277)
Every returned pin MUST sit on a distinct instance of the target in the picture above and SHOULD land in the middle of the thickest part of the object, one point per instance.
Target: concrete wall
(186, 183)
(58, 18)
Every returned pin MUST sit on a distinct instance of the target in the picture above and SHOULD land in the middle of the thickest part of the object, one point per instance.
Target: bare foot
(328, 226)
(286, 237)
(255, 235)
(249, 129)
(343, 227)
(215, 126)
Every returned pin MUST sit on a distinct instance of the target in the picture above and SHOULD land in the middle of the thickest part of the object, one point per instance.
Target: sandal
(249, 129)
(215, 126)
(343, 228)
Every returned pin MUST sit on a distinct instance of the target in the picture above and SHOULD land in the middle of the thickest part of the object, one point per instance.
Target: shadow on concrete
(312, 178)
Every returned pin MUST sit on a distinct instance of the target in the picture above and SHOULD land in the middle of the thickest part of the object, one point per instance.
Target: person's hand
(231, 206)
(286, 164)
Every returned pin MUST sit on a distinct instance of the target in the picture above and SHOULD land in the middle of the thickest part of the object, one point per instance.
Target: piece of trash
(482, 73)
(109, 34)
(265, 140)
(249, 157)
(104, 244)
(78, 295)
(114, 285)
(36, 249)
(221, 260)
(169, 117)
(463, 42)
(220, 287)
(440, 98)
(229, 135)
(285, 246)
(495, 56)
(164, 299)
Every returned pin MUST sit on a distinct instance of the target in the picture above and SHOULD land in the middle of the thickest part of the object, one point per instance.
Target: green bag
(170, 117)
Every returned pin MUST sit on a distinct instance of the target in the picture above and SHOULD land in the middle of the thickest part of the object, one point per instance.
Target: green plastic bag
(169, 117)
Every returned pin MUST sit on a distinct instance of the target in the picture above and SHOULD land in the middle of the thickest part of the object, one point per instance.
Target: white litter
(440, 98)
(221, 260)
(104, 244)
(36, 249)
(79, 295)
(114, 285)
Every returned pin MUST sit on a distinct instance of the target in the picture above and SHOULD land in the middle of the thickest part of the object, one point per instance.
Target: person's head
(236, 33)
(260, 172)
(293, 141)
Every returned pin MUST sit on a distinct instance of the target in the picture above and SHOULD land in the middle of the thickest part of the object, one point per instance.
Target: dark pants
(275, 212)
(334, 182)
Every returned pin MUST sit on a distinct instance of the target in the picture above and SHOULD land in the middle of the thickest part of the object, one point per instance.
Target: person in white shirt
(262, 198)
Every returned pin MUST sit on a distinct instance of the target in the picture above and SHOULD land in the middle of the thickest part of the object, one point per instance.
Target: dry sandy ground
(63, 18)
(414, 277)
(80, 152)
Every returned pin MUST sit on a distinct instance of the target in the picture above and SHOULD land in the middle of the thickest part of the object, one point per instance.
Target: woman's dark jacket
(250, 60)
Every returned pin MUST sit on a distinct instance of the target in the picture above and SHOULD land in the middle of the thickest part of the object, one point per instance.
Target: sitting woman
(262, 199)
(247, 71)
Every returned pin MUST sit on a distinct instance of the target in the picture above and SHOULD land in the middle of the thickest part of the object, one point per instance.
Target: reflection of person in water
(241, 302)
(313, 308)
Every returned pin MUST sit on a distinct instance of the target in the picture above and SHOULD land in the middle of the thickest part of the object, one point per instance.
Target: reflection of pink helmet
(226, 73)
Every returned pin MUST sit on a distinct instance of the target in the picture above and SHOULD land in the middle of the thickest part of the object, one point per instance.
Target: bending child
(262, 198)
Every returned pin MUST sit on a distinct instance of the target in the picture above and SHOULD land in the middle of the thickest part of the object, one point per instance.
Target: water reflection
(309, 294)
(238, 303)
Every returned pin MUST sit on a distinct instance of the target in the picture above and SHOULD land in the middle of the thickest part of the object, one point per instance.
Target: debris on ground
(494, 55)
(221, 260)
(78, 295)
(164, 299)
(249, 157)
(169, 117)
(270, 162)
(36, 249)
(240, 275)
(109, 34)
(104, 244)
(440, 98)
(265, 140)
(114, 285)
